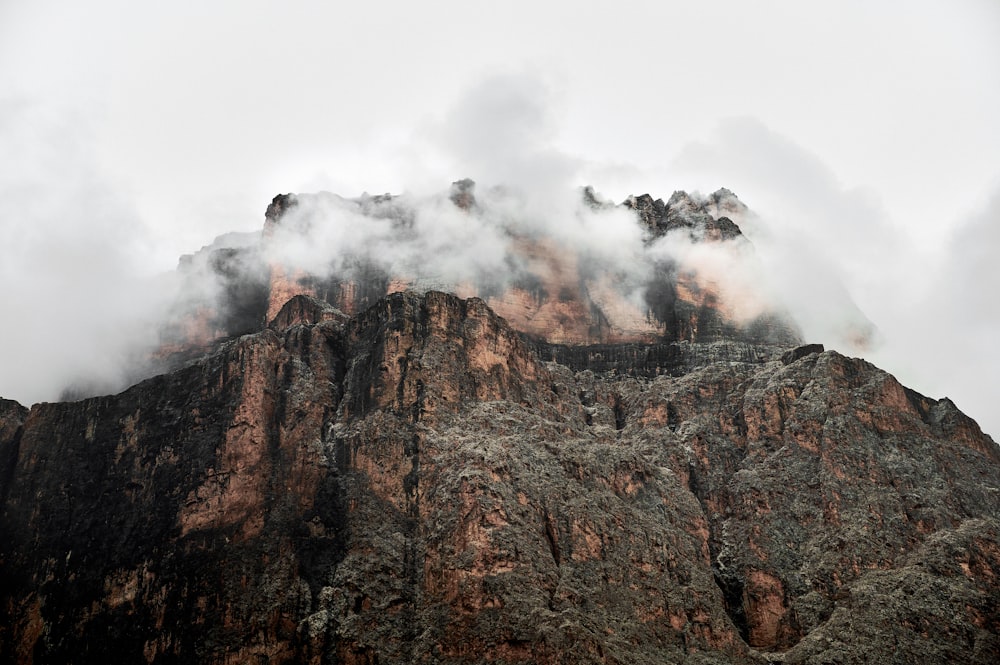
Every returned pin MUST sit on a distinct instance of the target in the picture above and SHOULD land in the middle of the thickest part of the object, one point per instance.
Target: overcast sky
(864, 134)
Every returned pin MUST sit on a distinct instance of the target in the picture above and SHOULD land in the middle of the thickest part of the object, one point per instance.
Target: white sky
(864, 133)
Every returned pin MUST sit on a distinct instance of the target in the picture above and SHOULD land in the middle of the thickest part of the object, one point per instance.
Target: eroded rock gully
(420, 483)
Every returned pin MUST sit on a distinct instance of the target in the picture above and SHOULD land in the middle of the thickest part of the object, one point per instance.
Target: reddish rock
(416, 484)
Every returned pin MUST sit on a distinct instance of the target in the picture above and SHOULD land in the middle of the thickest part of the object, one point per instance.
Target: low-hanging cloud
(501, 132)
(828, 247)
(432, 243)
(69, 260)
(942, 331)
(83, 313)
(80, 246)
(87, 317)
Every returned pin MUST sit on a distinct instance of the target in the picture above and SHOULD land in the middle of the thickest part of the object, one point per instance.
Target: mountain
(343, 465)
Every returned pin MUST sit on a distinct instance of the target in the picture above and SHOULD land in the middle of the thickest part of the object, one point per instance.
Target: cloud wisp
(828, 246)
(88, 316)
(80, 246)
(76, 303)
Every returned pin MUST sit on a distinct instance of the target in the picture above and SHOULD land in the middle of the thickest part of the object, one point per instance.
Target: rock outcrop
(419, 482)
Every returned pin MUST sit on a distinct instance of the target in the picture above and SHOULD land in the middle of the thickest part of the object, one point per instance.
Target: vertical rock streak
(421, 483)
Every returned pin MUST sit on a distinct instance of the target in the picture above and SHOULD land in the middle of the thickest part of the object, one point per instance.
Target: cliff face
(419, 482)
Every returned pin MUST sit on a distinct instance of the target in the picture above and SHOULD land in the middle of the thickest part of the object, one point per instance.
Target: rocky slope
(416, 484)
(413, 478)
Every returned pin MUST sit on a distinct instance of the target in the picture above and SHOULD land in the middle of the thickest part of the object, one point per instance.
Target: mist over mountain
(567, 266)
(496, 424)
(80, 233)
(481, 358)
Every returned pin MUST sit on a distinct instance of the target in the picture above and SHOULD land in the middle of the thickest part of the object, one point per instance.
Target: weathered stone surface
(798, 352)
(420, 483)
(12, 415)
(306, 310)
(813, 474)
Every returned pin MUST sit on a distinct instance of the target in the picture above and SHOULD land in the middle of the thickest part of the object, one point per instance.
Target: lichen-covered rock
(812, 474)
(419, 483)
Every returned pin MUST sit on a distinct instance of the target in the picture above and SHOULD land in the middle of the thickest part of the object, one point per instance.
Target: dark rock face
(800, 352)
(421, 483)
(693, 216)
(12, 417)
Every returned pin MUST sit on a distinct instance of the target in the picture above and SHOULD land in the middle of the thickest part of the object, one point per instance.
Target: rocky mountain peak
(279, 205)
(463, 193)
(699, 217)
(724, 203)
(552, 465)
(550, 283)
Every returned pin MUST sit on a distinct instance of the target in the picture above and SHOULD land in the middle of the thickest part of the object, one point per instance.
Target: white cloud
(828, 246)
(72, 260)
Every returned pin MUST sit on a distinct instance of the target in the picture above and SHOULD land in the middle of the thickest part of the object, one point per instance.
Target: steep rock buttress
(416, 483)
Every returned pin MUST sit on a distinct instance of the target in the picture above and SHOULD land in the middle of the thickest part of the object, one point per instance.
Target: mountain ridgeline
(363, 449)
